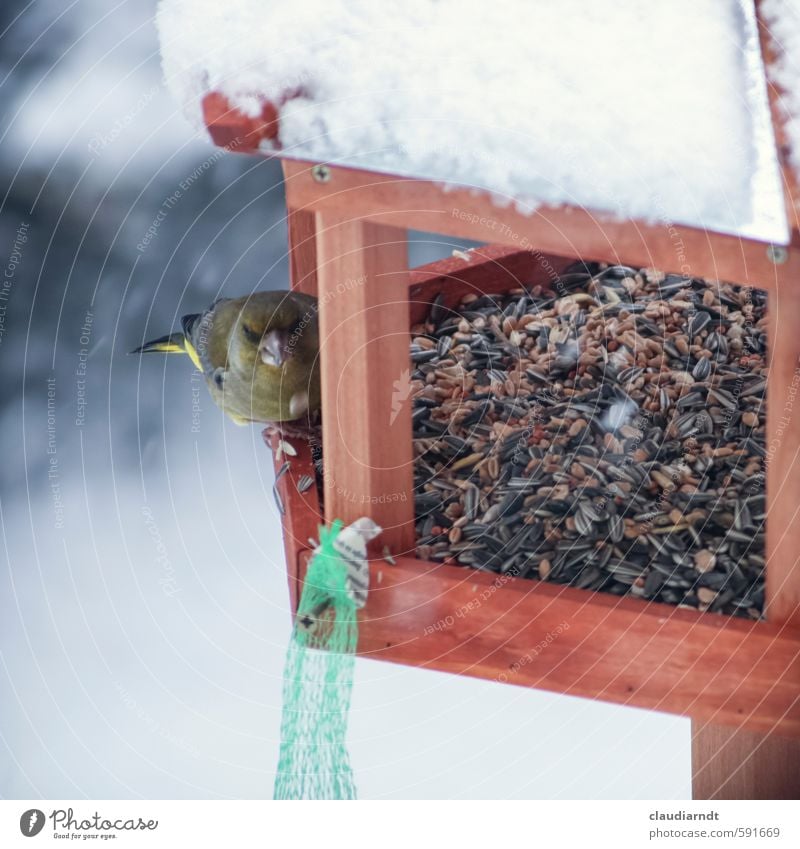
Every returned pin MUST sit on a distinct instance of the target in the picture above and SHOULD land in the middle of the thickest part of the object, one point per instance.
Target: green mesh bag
(318, 681)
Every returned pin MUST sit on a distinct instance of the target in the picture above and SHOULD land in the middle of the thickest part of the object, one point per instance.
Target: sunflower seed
(521, 466)
(702, 369)
(697, 322)
(304, 483)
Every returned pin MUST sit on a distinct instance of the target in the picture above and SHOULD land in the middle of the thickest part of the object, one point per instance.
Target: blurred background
(143, 605)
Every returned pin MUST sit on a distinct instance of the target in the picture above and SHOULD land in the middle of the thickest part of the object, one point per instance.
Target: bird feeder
(738, 680)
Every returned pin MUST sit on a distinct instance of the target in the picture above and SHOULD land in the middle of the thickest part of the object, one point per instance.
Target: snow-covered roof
(782, 18)
(644, 110)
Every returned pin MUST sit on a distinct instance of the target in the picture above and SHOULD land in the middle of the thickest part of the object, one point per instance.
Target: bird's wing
(212, 347)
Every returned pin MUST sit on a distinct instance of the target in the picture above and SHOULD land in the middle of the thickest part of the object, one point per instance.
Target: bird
(259, 355)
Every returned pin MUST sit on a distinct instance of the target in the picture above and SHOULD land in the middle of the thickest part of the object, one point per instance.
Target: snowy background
(143, 606)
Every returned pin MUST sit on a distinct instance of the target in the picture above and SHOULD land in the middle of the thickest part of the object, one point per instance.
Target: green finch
(259, 354)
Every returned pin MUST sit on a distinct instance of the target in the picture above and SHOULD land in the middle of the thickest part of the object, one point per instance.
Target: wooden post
(728, 762)
(301, 511)
(731, 763)
(734, 763)
(783, 450)
(362, 278)
(302, 225)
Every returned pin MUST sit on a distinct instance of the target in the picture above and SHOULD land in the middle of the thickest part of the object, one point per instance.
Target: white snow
(640, 110)
(783, 19)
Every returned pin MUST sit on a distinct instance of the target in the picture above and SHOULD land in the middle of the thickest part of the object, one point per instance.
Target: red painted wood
(563, 230)
(302, 227)
(523, 632)
(302, 513)
(735, 763)
(492, 269)
(362, 277)
(231, 128)
(713, 668)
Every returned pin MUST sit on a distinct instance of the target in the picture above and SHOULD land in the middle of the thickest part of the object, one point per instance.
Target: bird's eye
(251, 334)
(218, 378)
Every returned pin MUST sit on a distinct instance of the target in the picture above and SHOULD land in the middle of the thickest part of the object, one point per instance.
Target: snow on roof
(783, 19)
(654, 111)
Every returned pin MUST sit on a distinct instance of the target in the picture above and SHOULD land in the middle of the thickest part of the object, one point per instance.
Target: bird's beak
(175, 343)
(275, 347)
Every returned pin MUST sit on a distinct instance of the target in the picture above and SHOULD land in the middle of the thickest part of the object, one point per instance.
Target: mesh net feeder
(318, 677)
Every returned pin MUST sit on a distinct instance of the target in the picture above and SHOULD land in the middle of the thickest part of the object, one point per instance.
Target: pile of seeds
(606, 432)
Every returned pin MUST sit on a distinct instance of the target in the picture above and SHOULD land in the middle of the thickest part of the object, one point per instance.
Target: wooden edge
(302, 513)
(647, 655)
(735, 763)
(302, 227)
(465, 213)
(362, 277)
(776, 93)
(782, 461)
(490, 269)
(563, 231)
(514, 262)
(712, 668)
(231, 128)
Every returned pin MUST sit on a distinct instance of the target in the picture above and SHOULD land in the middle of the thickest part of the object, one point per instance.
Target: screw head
(321, 173)
(777, 254)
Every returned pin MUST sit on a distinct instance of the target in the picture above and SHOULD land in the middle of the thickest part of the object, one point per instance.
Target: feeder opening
(602, 427)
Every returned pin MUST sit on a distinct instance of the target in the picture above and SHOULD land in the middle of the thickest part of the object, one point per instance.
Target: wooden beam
(489, 269)
(565, 231)
(362, 277)
(300, 511)
(232, 129)
(302, 226)
(642, 654)
(733, 763)
(783, 453)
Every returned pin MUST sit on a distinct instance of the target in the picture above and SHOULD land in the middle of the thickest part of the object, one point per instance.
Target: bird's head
(272, 332)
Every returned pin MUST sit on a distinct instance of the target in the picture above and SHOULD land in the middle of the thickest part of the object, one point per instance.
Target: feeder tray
(738, 680)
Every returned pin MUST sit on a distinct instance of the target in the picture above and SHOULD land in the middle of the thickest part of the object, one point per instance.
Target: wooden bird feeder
(738, 680)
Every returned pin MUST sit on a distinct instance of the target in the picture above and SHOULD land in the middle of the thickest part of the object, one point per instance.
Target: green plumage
(259, 354)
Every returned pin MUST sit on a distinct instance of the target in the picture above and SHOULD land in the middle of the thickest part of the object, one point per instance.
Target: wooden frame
(713, 668)
(625, 651)
(739, 681)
